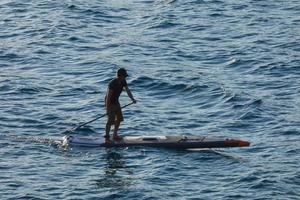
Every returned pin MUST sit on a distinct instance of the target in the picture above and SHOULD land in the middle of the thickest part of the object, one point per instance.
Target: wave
(32, 90)
(164, 25)
(204, 96)
(107, 15)
(156, 86)
(23, 90)
(278, 69)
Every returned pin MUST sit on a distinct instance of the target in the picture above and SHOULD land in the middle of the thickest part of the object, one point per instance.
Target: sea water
(196, 67)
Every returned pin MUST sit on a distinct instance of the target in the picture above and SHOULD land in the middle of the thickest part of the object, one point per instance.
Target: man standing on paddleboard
(113, 108)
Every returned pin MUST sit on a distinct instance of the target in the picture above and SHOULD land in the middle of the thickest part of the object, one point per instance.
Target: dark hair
(122, 72)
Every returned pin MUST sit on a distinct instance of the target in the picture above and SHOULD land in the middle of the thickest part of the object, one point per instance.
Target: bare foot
(116, 138)
(108, 141)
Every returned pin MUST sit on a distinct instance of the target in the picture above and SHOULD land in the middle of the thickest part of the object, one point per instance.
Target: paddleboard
(176, 142)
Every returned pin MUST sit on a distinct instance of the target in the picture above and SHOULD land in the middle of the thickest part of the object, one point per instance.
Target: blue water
(197, 67)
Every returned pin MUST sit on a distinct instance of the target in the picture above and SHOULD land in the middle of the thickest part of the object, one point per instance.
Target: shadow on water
(230, 156)
(213, 154)
(115, 172)
(114, 162)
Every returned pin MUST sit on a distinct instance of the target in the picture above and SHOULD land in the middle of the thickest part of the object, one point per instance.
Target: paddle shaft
(85, 123)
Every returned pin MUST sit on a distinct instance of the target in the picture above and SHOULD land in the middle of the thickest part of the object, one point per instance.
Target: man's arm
(130, 94)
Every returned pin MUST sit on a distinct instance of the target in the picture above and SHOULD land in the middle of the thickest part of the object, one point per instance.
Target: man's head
(122, 72)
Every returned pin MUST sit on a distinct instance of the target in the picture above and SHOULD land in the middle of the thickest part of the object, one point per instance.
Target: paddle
(85, 123)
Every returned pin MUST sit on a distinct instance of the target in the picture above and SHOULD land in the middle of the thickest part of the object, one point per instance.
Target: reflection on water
(116, 173)
(114, 162)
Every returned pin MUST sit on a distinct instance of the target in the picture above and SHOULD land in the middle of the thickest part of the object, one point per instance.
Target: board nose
(243, 143)
(238, 143)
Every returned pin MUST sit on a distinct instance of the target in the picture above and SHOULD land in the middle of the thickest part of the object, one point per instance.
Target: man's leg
(107, 129)
(119, 118)
(111, 114)
(117, 125)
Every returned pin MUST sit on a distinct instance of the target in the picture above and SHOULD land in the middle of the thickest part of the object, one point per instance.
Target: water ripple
(213, 68)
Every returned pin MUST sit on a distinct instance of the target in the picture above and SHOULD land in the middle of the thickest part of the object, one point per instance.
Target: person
(113, 108)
